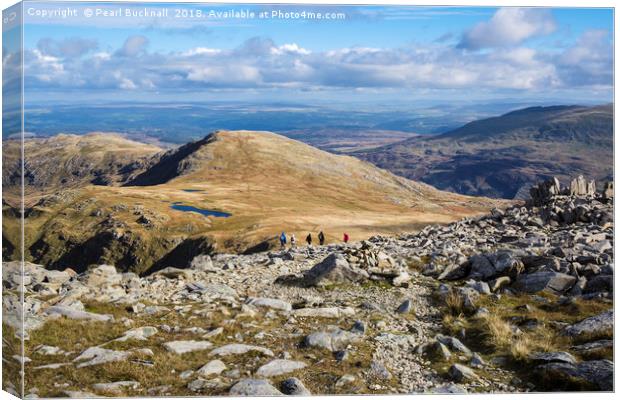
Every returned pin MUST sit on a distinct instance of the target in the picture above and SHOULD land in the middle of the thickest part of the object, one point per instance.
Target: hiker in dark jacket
(283, 240)
(346, 237)
(321, 238)
(309, 239)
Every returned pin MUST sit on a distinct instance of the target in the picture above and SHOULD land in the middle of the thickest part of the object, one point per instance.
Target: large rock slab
(590, 375)
(324, 312)
(212, 289)
(332, 340)
(174, 273)
(186, 346)
(214, 367)
(551, 281)
(97, 355)
(72, 313)
(461, 373)
(596, 326)
(202, 262)
(275, 304)
(142, 333)
(55, 277)
(490, 265)
(587, 349)
(556, 356)
(239, 348)
(279, 367)
(254, 387)
(103, 275)
(334, 269)
(116, 387)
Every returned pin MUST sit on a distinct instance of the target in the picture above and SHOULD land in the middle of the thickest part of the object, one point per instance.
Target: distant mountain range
(503, 156)
(100, 198)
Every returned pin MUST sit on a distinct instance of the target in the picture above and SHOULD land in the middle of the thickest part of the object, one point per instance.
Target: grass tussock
(499, 333)
(455, 304)
(514, 332)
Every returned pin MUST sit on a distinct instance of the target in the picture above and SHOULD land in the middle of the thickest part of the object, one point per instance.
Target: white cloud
(509, 27)
(259, 63)
(197, 51)
(589, 61)
(291, 48)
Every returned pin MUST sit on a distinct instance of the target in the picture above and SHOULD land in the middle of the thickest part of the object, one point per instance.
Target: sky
(368, 54)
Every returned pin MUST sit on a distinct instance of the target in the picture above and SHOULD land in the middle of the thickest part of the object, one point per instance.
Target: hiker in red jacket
(346, 237)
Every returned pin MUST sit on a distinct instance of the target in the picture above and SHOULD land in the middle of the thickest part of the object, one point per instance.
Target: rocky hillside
(517, 300)
(65, 161)
(231, 191)
(503, 156)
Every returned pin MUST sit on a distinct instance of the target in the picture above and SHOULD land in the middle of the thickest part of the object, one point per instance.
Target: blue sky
(381, 53)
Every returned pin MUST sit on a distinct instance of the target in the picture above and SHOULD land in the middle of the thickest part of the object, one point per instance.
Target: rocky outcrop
(560, 243)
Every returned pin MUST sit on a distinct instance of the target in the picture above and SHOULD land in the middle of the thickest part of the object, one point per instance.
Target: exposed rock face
(544, 191)
(561, 244)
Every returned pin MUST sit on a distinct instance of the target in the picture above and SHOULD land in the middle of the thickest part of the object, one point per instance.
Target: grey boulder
(254, 387)
(550, 281)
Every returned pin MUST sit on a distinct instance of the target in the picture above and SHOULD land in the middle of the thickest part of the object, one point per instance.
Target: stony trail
(498, 303)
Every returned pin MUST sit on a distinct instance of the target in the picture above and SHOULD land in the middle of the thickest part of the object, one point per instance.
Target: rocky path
(490, 304)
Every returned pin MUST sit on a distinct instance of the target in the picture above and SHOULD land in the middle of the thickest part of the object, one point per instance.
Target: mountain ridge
(264, 182)
(499, 156)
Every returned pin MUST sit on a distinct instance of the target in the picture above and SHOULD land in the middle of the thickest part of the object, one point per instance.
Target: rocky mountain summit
(516, 300)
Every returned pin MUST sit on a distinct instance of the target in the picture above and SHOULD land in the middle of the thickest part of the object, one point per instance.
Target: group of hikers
(293, 239)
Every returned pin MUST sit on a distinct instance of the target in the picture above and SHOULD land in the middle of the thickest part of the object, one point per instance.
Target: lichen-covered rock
(187, 346)
(596, 326)
(254, 387)
(333, 340)
(279, 367)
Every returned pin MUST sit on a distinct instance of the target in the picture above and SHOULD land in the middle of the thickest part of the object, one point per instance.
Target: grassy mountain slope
(502, 156)
(68, 161)
(267, 182)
